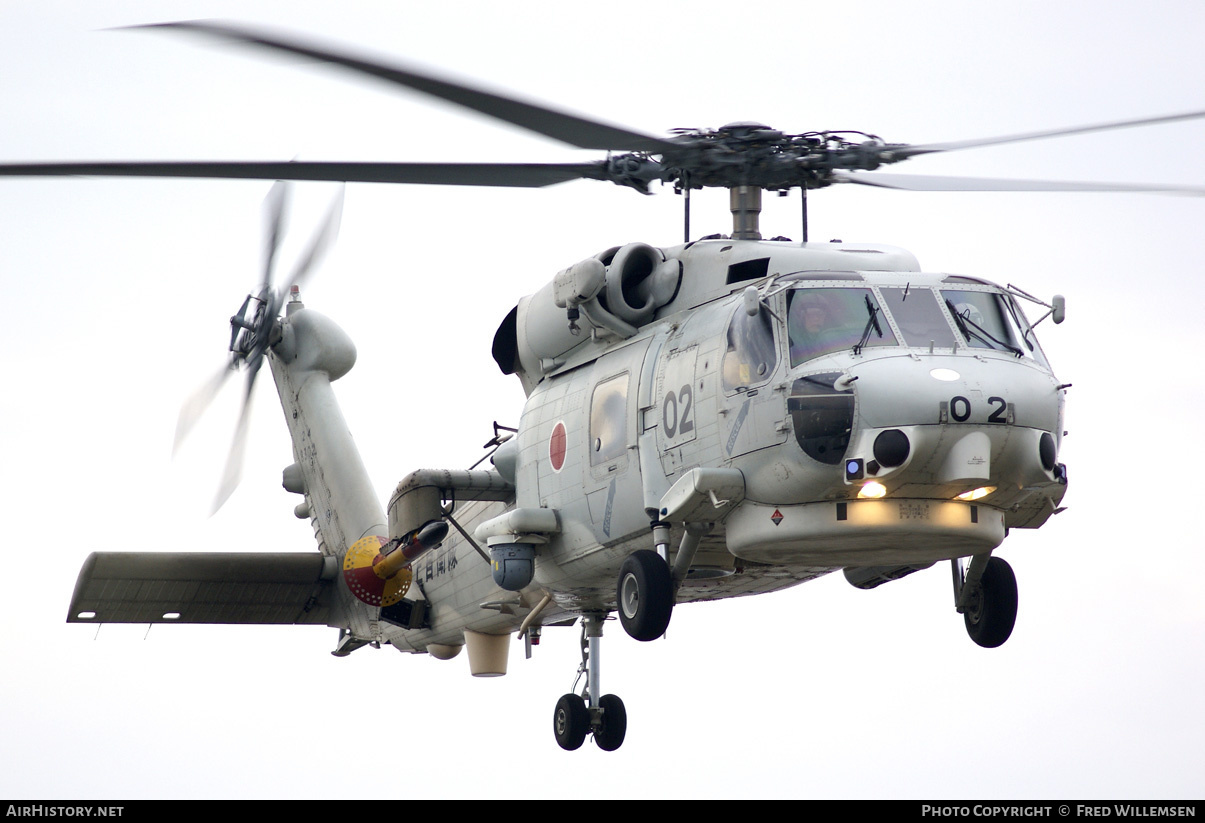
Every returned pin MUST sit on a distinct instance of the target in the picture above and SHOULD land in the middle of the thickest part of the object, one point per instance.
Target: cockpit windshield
(825, 320)
(981, 318)
(828, 319)
(919, 317)
(990, 320)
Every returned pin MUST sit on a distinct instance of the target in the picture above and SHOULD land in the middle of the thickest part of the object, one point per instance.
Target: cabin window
(822, 321)
(919, 317)
(608, 420)
(751, 355)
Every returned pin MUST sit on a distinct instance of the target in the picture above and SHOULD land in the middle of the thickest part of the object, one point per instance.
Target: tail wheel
(571, 722)
(992, 612)
(613, 724)
(645, 593)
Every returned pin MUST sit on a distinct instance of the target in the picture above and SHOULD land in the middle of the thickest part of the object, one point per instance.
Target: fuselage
(859, 414)
(925, 386)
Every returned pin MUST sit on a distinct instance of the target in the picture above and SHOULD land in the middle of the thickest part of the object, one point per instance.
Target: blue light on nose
(853, 469)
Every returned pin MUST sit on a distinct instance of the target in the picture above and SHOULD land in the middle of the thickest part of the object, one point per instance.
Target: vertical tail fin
(311, 353)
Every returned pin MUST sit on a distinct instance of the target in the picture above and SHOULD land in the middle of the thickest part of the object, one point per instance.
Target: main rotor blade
(932, 148)
(521, 175)
(568, 128)
(922, 182)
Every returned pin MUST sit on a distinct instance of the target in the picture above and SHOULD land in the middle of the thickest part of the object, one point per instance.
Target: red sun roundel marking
(556, 447)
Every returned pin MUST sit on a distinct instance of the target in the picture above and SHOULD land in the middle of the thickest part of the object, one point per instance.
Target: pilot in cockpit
(811, 326)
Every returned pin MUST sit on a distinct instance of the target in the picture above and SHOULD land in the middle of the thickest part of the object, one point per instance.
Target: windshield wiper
(965, 325)
(872, 323)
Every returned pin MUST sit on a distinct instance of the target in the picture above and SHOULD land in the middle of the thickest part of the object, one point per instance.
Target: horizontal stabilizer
(202, 587)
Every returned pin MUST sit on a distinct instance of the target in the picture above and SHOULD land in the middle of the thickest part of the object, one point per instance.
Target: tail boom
(312, 353)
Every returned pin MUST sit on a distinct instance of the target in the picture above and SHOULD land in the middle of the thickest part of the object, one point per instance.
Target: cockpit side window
(1022, 328)
(825, 320)
(751, 355)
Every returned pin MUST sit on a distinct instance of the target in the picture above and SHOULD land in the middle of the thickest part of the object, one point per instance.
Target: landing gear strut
(576, 716)
(986, 595)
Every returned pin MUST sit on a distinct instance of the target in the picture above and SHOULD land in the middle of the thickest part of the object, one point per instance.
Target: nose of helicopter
(895, 391)
(924, 458)
(945, 420)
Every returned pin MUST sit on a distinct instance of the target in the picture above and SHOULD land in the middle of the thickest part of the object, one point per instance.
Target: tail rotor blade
(275, 207)
(323, 239)
(195, 406)
(252, 326)
(234, 461)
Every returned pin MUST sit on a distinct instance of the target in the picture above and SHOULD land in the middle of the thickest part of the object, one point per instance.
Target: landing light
(975, 494)
(872, 489)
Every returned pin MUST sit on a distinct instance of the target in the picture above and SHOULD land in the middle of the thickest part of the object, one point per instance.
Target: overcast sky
(115, 297)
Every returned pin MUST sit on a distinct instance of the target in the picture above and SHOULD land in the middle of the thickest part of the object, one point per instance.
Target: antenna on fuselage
(803, 190)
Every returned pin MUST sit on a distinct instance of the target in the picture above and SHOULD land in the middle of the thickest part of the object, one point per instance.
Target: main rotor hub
(749, 128)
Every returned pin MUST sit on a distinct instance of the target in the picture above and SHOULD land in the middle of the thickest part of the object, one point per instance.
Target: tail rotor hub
(255, 327)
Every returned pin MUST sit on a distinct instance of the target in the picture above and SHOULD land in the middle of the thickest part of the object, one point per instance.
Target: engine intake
(640, 280)
(605, 298)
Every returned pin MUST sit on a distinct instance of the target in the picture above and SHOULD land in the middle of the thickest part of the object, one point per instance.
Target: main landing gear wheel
(571, 722)
(612, 725)
(992, 610)
(575, 717)
(645, 593)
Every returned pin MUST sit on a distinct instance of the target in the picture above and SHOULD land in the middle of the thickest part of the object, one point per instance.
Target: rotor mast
(745, 204)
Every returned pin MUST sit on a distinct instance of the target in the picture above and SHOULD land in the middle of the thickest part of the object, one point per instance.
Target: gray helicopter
(723, 417)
